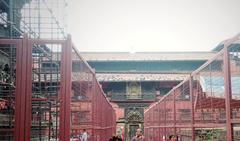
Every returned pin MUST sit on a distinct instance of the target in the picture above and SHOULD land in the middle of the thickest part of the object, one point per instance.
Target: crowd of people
(138, 137)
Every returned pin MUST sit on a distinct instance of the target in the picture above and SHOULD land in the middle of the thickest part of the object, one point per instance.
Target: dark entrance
(134, 120)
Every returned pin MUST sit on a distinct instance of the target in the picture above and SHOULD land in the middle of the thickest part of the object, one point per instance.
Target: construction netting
(48, 92)
(90, 108)
(203, 107)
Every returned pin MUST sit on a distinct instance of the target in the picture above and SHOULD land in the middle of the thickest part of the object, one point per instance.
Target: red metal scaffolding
(205, 106)
(54, 94)
(90, 108)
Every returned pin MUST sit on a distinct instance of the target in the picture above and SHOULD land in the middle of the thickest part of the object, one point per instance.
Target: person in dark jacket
(115, 138)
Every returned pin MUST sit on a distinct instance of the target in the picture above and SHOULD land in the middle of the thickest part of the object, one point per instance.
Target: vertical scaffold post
(65, 90)
(174, 111)
(228, 93)
(192, 107)
(23, 91)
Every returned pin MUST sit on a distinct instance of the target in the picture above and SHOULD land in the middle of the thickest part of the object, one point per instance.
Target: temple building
(133, 81)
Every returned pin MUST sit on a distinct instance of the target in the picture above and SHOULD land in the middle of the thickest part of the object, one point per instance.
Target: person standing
(84, 136)
(139, 136)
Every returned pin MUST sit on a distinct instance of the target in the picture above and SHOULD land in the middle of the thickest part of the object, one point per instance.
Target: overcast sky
(152, 25)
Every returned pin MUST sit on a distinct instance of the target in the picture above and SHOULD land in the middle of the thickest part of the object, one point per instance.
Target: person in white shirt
(84, 135)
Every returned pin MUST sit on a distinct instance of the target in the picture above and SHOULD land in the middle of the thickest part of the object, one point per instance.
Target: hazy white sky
(152, 25)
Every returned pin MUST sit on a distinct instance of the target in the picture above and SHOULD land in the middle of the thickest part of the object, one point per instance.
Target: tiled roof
(116, 77)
